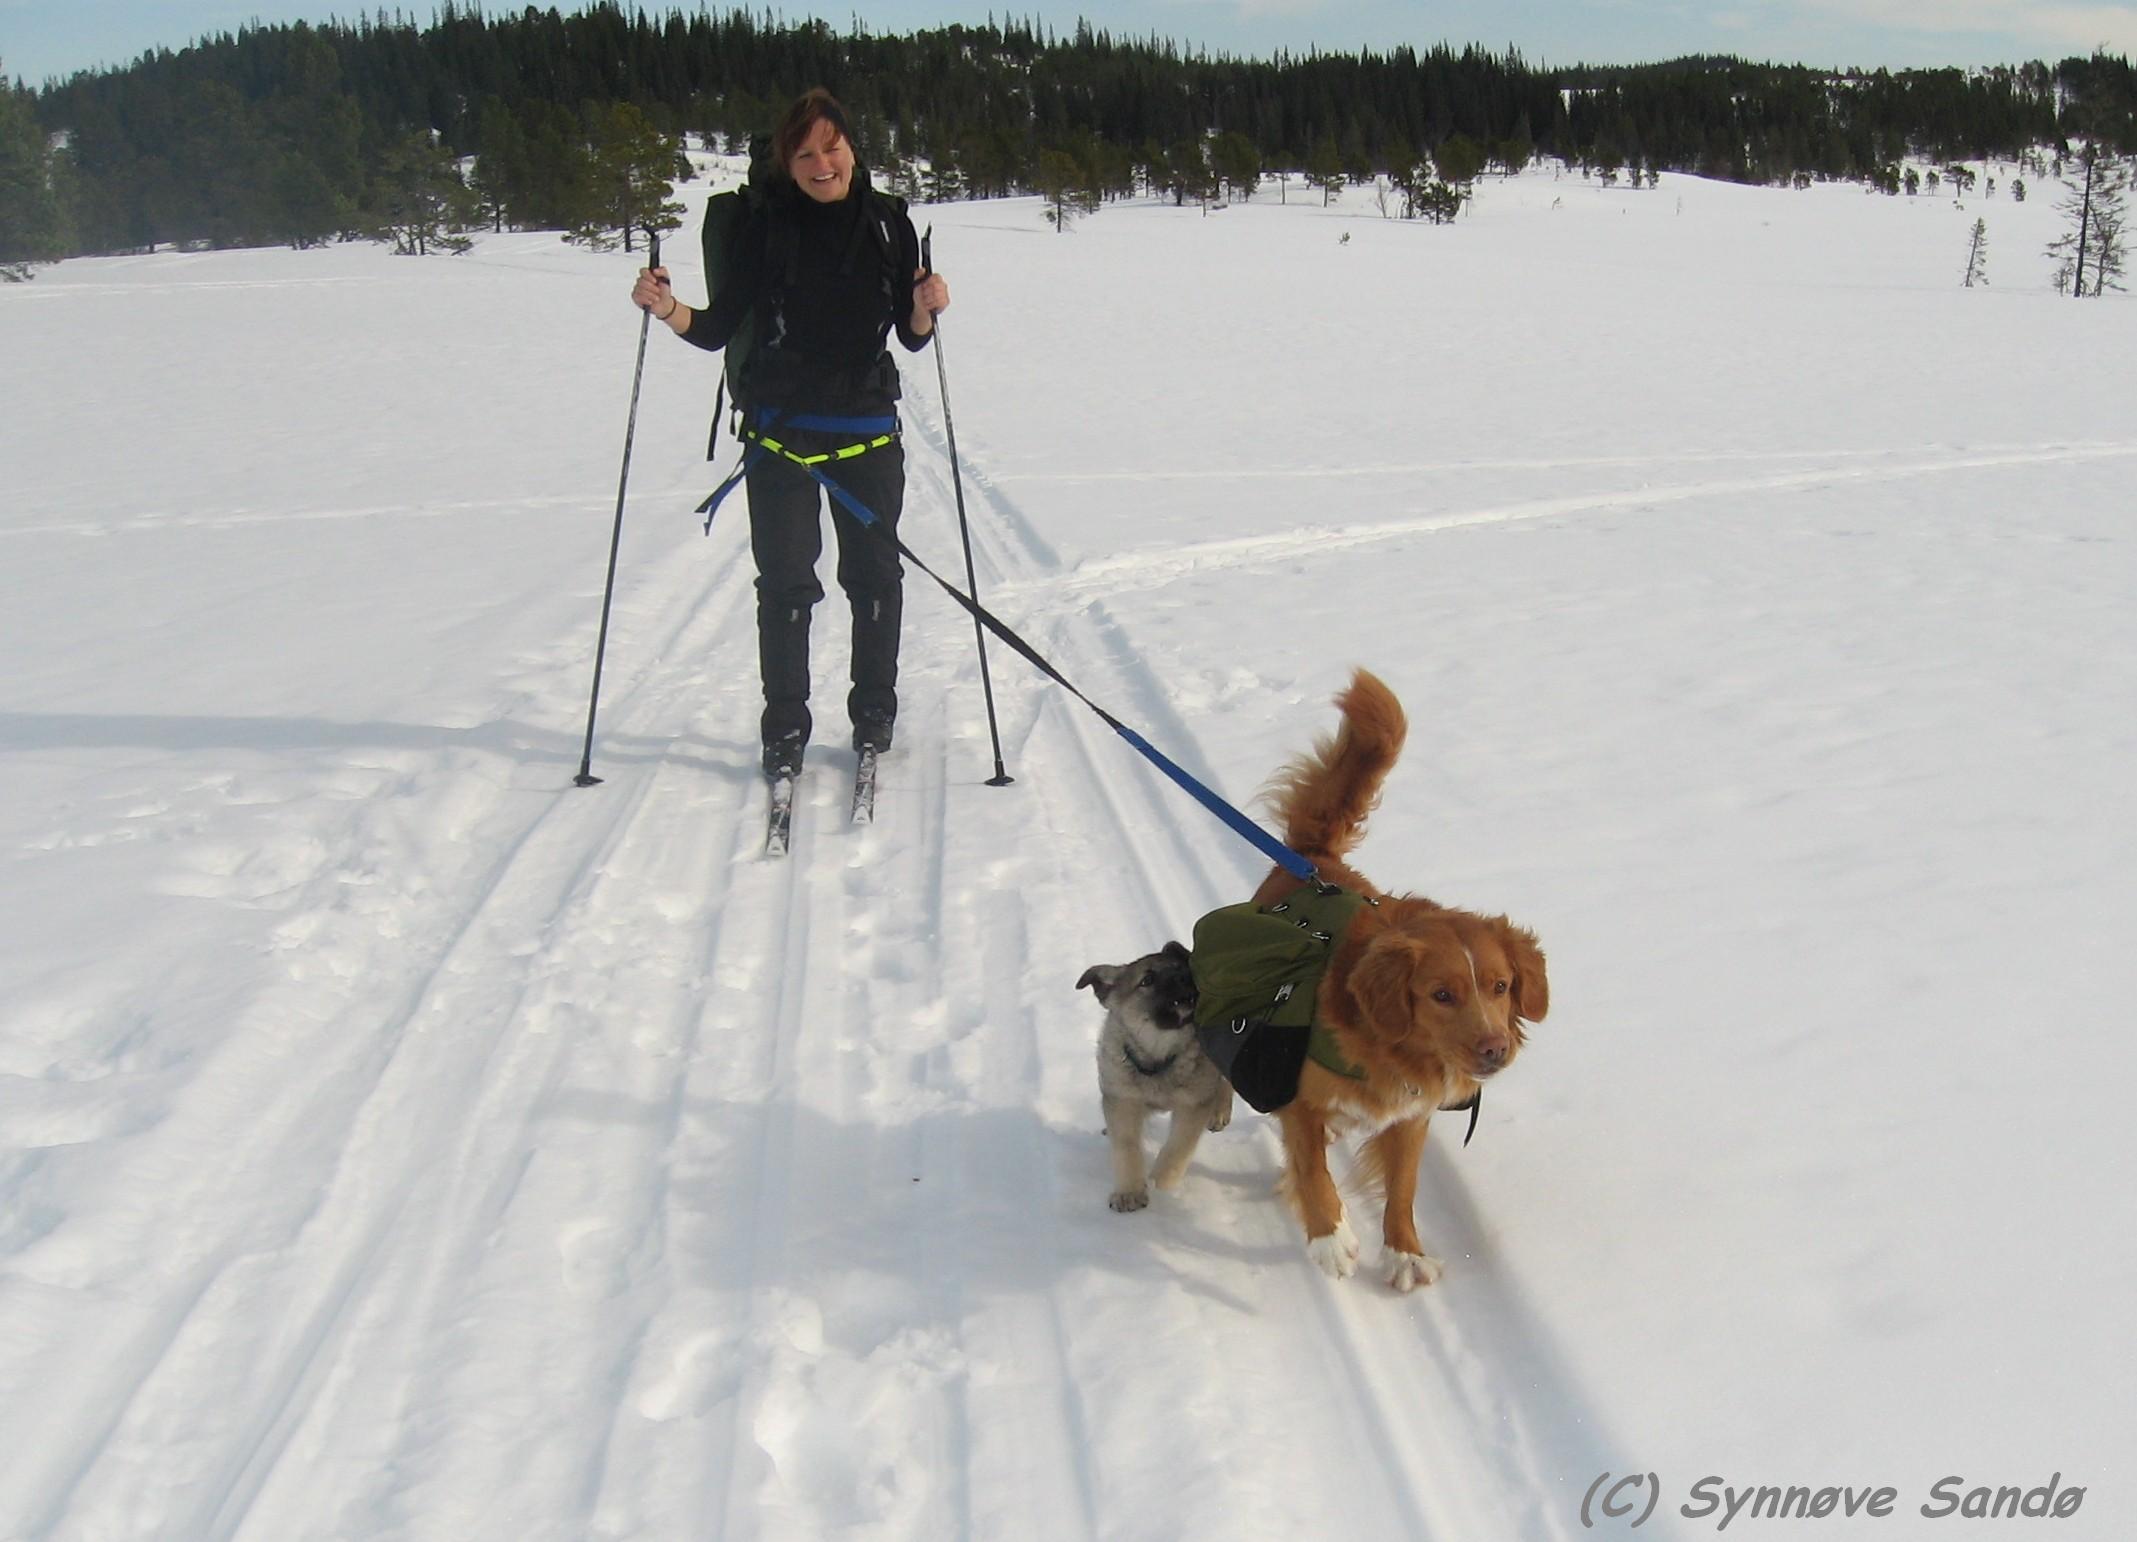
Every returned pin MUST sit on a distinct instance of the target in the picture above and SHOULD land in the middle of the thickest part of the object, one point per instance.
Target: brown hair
(816, 105)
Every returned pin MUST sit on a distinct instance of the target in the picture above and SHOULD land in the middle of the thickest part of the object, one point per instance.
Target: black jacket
(828, 299)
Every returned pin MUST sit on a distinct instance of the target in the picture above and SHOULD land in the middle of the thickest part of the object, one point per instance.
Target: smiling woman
(823, 268)
(817, 155)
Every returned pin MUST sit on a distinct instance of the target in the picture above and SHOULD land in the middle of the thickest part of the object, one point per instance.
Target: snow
(398, 1142)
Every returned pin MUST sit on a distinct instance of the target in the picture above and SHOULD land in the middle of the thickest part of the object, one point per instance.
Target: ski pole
(1001, 777)
(586, 777)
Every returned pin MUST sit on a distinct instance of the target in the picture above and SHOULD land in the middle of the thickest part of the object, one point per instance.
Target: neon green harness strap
(849, 452)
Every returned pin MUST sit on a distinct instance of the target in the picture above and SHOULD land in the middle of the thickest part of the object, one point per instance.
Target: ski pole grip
(927, 252)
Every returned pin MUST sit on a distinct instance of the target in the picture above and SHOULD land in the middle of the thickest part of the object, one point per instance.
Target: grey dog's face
(1158, 988)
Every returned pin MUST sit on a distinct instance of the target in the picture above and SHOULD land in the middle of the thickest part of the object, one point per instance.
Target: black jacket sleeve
(902, 289)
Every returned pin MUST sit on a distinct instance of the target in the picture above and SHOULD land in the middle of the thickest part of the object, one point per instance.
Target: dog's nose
(1493, 1053)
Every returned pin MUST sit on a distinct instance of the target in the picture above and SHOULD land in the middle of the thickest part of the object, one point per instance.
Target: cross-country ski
(863, 808)
(778, 815)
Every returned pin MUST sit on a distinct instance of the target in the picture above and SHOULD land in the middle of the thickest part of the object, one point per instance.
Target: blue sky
(42, 37)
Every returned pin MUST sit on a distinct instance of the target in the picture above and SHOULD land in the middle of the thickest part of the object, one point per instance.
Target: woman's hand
(931, 297)
(651, 293)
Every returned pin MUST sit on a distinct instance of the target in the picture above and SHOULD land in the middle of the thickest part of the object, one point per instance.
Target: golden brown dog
(1429, 1002)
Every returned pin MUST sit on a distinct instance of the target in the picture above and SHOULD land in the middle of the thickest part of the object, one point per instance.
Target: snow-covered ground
(396, 1141)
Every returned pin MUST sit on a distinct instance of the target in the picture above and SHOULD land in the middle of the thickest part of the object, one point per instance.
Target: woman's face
(823, 166)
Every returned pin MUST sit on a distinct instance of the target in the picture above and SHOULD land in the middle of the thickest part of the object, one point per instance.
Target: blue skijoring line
(1268, 845)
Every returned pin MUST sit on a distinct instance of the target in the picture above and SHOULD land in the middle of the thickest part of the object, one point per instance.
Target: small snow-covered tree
(1460, 160)
(1977, 255)
(1324, 169)
(1511, 155)
(1440, 202)
(1065, 186)
(1234, 158)
(944, 181)
(420, 203)
(1193, 178)
(635, 166)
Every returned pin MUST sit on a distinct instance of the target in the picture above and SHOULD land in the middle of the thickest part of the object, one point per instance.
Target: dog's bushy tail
(1322, 798)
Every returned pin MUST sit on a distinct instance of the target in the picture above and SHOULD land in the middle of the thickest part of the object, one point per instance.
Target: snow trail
(399, 1143)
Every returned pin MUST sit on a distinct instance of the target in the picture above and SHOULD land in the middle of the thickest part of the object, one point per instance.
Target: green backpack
(1257, 976)
(725, 216)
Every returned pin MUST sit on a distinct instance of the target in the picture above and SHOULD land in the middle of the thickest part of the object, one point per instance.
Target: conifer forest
(409, 130)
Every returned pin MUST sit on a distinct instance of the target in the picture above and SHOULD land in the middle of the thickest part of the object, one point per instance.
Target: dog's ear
(1381, 982)
(1099, 980)
(1532, 988)
(1177, 950)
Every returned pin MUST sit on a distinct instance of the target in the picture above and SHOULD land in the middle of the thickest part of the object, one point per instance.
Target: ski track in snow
(403, 1128)
(542, 1164)
(1157, 856)
(1132, 570)
(766, 1371)
(234, 519)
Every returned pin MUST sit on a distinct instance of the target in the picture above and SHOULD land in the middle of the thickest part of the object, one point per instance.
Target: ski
(779, 817)
(864, 789)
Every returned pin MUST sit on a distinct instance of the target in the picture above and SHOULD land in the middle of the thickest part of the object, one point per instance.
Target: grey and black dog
(1148, 1060)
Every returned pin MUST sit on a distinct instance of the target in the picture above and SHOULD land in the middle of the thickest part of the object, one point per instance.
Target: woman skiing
(823, 268)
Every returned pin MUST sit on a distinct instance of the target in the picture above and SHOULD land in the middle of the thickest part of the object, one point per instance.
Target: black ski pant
(786, 536)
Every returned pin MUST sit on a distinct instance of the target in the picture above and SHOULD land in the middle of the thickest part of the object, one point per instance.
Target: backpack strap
(883, 213)
(782, 264)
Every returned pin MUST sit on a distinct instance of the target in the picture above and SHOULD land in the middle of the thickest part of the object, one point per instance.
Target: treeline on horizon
(293, 132)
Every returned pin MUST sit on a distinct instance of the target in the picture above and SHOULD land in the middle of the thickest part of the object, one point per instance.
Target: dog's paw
(1336, 1253)
(1168, 1178)
(1407, 1271)
(1125, 1200)
(1222, 1117)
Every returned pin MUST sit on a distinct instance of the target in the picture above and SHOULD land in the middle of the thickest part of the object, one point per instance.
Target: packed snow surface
(399, 1142)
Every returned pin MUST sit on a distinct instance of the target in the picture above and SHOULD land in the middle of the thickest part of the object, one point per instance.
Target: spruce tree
(306, 210)
(33, 225)
(418, 201)
(1460, 160)
(504, 168)
(1187, 173)
(2088, 253)
(1235, 159)
(634, 168)
(1440, 202)
(944, 182)
(1062, 183)
(1324, 169)
(1977, 254)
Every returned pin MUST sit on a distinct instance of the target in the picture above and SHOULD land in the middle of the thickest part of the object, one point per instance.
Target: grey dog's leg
(1124, 1131)
(1221, 1111)
(1179, 1147)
